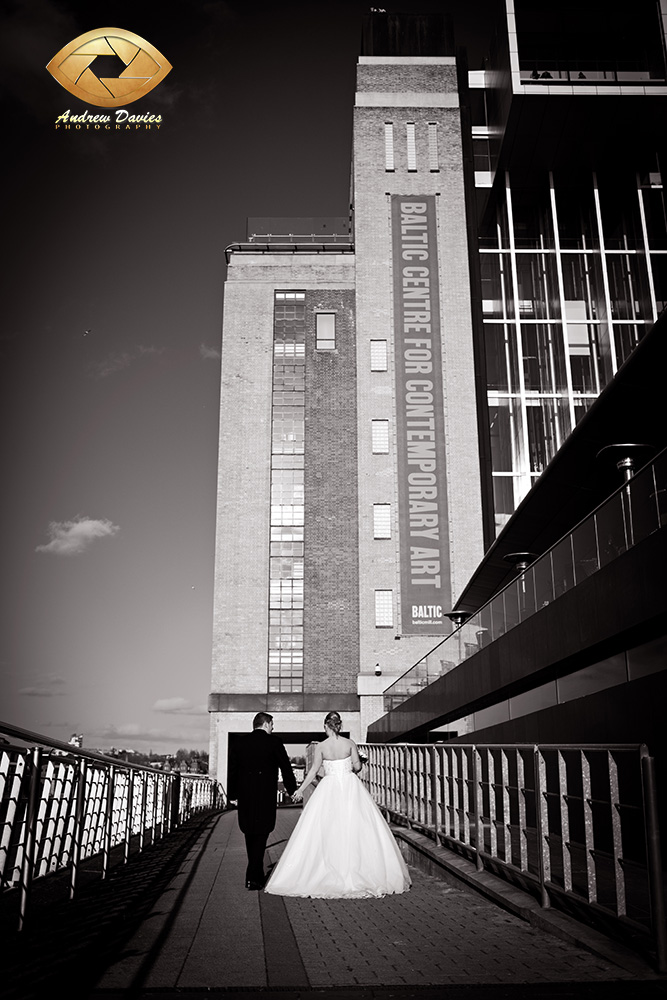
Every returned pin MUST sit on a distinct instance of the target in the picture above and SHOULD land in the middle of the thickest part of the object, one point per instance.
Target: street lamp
(625, 456)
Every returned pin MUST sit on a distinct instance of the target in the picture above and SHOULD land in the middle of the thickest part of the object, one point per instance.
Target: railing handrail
(36, 739)
(617, 492)
(641, 748)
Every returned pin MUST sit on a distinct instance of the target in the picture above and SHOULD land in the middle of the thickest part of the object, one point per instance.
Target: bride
(341, 845)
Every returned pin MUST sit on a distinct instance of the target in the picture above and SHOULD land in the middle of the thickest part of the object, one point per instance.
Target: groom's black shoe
(254, 885)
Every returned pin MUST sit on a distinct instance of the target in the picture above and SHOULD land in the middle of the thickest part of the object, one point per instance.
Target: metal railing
(627, 517)
(60, 805)
(292, 245)
(576, 825)
(553, 73)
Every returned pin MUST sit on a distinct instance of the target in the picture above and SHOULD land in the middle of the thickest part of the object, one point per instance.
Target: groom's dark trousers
(255, 760)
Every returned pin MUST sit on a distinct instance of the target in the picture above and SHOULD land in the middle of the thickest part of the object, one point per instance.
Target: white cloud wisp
(179, 706)
(209, 353)
(71, 538)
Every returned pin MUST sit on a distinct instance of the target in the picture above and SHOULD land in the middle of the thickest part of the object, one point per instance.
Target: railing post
(28, 864)
(406, 785)
(108, 821)
(129, 817)
(563, 804)
(617, 834)
(540, 817)
(176, 800)
(435, 809)
(477, 807)
(78, 824)
(142, 812)
(166, 807)
(654, 862)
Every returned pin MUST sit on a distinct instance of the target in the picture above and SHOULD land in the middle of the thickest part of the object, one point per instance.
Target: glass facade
(573, 272)
(612, 49)
(285, 666)
(635, 511)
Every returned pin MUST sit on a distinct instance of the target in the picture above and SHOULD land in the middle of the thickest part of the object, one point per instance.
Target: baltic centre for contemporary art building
(406, 374)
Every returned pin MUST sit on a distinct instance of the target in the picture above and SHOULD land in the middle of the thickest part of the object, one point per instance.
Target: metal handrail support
(617, 834)
(435, 811)
(144, 796)
(654, 860)
(406, 789)
(79, 824)
(108, 820)
(566, 859)
(541, 821)
(155, 811)
(129, 816)
(478, 808)
(174, 801)
(28, 861)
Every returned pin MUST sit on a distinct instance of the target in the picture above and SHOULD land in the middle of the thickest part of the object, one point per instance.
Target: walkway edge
(422, 852)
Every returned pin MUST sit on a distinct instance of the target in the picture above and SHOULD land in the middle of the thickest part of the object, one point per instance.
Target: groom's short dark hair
(261, 719)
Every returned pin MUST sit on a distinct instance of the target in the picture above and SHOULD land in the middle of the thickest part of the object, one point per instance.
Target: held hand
(297, 796)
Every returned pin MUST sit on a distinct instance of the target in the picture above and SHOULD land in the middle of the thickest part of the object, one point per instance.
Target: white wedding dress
(341, 846)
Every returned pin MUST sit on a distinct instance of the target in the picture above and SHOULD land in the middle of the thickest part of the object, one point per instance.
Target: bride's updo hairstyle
(334, 722)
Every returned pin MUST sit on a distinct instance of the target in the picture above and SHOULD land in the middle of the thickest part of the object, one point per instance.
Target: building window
(433, 165)
(412, 147)
(381, 520)
(380, 436)
(378, 355)
(384, 609)
(285, 653)
(389, 146)
(325, 338)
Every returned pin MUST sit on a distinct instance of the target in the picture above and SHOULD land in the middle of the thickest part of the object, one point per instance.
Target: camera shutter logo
(73, 67)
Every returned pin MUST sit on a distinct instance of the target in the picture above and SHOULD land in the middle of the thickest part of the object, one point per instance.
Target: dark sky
(112, 294)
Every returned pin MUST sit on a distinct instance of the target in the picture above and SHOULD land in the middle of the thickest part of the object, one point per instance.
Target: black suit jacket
(253, 779)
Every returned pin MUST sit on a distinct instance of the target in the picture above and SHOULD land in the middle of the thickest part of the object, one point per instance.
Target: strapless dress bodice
(337, 768)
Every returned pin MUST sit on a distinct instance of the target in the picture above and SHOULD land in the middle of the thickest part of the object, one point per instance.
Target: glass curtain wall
(285, 666)
(573, 274)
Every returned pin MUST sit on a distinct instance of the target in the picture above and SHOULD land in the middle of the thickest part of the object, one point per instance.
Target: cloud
(47, 687)
(71, 538)
(209, 353)
(179, 706)
(119, 360)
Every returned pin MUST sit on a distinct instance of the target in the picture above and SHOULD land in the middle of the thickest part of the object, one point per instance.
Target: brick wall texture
(331, 571)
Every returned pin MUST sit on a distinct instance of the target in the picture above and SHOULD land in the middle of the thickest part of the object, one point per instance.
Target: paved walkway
(208, 933)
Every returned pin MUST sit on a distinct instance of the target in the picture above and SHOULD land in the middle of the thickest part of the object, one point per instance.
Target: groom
(253, 782)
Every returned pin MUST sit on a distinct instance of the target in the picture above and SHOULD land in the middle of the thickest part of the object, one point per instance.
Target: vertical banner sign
(420, 425)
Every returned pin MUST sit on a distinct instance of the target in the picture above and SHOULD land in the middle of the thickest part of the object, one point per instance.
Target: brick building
(348, 404)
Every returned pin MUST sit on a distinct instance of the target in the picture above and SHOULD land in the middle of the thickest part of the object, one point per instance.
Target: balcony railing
(292, 245)
(575, 825)
(630, 515)
(554, 74)
(60, 805)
